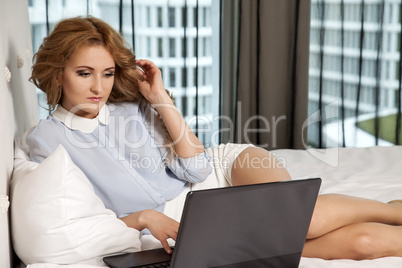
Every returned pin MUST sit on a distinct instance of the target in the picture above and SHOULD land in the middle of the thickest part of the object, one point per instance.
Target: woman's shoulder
(46, 125)
(45, 129)
(43, 138)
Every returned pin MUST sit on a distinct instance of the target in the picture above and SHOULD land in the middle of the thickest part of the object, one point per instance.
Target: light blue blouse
(122, 153)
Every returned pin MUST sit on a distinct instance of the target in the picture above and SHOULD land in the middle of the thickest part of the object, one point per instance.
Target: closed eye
(83, 73)
(111, 74)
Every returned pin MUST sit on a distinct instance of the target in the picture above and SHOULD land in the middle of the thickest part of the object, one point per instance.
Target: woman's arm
(161, 226)
(185, 143)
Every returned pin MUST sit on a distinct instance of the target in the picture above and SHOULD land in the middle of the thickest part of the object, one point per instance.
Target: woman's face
(87, 81)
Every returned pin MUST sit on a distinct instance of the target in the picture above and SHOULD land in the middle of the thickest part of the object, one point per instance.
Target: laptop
(261, 225)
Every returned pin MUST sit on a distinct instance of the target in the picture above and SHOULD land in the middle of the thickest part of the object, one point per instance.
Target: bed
(373, 172)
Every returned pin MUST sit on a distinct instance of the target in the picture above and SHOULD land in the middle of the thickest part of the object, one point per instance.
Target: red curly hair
(68, 36)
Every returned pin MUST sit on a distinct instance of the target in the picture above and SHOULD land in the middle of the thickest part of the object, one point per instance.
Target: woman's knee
(257, 165)
(365, 245)
(373, 240)
(357, 241)
(358, 246)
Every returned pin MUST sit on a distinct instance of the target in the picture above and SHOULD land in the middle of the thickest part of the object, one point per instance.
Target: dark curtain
(269, 105)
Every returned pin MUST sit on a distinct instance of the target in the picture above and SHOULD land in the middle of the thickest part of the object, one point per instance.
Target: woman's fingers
(162, 228)
(152, 87)
(164, 237)
(166, 246)
(148, 70)
(145, 65)
(172, 234)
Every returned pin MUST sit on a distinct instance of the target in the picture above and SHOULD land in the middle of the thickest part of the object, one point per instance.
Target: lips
(95, 99)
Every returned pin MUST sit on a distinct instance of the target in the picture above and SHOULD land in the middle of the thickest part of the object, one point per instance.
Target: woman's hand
(152, 87)
(161, 226)
(185, 143)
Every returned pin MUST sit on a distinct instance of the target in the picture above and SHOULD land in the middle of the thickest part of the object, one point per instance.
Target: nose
(97, 86)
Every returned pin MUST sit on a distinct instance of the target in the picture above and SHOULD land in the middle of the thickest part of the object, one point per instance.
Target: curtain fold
(361, 38)
(378, 70)
(229, 54)
(321, 110)
(342, 93)
(399, 98)
(272, 75)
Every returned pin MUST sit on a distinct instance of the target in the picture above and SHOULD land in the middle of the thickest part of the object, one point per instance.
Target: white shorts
(223, 157)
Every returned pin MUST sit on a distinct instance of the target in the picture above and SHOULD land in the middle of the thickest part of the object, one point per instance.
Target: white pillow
(56, 216)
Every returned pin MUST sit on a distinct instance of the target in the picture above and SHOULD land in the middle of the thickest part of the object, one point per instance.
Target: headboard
(18, 103)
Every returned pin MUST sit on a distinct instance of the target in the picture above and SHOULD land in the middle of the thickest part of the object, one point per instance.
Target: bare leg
(357, 241)
(333, 211)
(255, 165)
(336, 218)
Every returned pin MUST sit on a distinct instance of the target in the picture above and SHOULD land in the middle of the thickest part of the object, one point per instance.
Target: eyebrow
(90, 68)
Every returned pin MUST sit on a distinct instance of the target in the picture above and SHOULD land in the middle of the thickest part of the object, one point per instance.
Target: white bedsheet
(374, 172)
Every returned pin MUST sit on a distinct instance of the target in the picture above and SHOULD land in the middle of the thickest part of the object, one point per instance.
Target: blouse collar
(82, 124)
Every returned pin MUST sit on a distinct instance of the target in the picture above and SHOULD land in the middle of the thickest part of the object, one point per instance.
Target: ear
(59, 79)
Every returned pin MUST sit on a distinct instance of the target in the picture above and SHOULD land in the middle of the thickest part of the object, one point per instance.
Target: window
(160, 47)
(184, 47)
(204, 47)
(388, 58)
(184, 17)
(160, 17)
(172, 17)
(203, 76)
(195, 47)
(195, 17)
(172, 47)
(194, 100)
(207, 16)
(148, 47)
(172, 77)
(195, 77)
(149, 17)
(184, 105)
(184, 77)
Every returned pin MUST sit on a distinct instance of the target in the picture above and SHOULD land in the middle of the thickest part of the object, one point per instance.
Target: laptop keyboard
(158, 265)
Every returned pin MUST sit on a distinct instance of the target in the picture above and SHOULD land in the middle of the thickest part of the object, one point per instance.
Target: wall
(18, 108)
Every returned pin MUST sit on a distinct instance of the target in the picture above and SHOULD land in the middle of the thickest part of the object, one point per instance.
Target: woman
(122, 129)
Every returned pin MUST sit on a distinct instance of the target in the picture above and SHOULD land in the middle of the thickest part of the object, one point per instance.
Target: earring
(59, 89)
